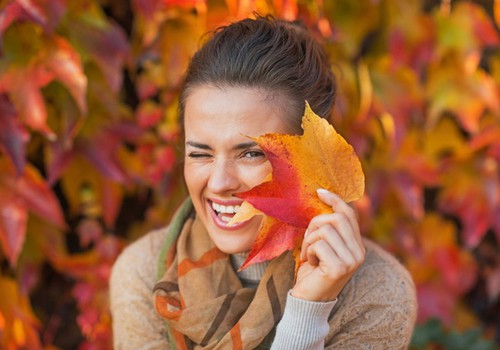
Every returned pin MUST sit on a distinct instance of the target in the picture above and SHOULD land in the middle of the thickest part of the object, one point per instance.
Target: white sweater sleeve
(304, 325)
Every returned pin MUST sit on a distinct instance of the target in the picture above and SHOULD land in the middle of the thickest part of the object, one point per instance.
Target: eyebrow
(243, 145)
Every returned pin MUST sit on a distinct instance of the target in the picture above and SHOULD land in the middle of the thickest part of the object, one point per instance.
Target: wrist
(298, 293)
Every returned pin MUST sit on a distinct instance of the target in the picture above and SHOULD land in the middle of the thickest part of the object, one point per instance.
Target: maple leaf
(13, 136)
(105, 44)
(12, 224)
(320, 158)
(18, 195)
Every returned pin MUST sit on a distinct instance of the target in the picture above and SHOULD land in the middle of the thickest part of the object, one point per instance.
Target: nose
(224, 177)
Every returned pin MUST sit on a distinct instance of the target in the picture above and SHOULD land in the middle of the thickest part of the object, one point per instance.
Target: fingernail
(322, 190)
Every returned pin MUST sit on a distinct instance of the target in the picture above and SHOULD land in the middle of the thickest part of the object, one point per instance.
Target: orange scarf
(202, 299)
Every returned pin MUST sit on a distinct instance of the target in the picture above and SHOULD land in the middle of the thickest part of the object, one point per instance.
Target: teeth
(225, 209)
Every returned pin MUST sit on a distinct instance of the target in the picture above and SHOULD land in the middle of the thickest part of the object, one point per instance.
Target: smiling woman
(252, 78)
(220, 160)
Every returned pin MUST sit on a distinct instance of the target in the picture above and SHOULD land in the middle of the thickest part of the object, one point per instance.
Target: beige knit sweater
(376, 309)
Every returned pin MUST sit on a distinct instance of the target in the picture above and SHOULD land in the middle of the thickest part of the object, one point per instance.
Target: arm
(331, 252)
(376, 309)
(304, 325)
(136, 325)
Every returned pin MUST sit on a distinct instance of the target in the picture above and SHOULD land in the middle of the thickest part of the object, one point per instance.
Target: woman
(252, 78)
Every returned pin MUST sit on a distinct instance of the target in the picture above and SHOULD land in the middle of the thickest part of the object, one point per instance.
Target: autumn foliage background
(90, 149)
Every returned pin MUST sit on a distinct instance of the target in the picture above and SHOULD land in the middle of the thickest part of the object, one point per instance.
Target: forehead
(213, 113)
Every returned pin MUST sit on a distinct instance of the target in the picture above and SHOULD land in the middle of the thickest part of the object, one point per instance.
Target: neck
(250, 276)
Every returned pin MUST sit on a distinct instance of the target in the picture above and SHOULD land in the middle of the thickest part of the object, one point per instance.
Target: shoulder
(382, 280)
(135, 321)
(139, 260)
(378, 306)
(382, 276)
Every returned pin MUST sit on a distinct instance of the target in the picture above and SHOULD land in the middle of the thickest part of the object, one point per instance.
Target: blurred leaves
(432, 332)
(89, 146)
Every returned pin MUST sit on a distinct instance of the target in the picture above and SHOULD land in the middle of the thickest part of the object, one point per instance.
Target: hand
(332, 251)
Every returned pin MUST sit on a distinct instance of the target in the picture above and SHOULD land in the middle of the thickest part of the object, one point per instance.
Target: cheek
(253, 176)
(193, 177)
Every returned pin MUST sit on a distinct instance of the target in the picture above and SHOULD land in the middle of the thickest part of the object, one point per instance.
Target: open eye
(254, 154)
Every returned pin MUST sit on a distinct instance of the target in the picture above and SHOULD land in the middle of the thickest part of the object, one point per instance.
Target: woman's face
(220, 160)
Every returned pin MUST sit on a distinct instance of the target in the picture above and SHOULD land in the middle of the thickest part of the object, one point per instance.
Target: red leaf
(23, 87)
(13, 136)
(103, 148)
(469, 194)
(434, 300)
(273, 233)
(57, 60)
(288, 9)
(148, 114)
(36, 194)
(101, 152)
(145, 7)
(11, 12)
(107, 46)
(65, 63)
(33, 108)
(458, 269)
(59, 158)
(45, 13)
(397, 96)
(320, 158)
(411, 194)
(488, 138)
(33, 10)
(13, 219)
(482, 25)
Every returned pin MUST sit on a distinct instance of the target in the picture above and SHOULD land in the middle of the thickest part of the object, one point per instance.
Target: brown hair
(278, 56)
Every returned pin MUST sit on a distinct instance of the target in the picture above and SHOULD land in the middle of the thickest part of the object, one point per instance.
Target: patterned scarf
(203, 301)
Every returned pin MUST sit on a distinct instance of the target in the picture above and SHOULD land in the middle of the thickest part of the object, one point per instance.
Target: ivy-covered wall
(90, 149)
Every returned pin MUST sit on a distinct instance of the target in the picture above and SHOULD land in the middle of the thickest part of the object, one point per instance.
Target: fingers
(326, 237)
(341, 207)
(348, 230)
(329, 266)
(342, 243)
(340, 229)
(334, 265)
(333, 251)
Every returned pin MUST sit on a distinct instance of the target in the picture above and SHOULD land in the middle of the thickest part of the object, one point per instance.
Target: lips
(223, 211)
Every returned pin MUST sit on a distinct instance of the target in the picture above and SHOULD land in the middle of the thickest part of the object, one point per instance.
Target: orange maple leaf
(320, 158)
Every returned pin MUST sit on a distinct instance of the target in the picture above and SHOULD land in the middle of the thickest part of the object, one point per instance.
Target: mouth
(223, 213)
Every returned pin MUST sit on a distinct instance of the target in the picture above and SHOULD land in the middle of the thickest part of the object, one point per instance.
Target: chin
(233, 239)
(231, 246)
